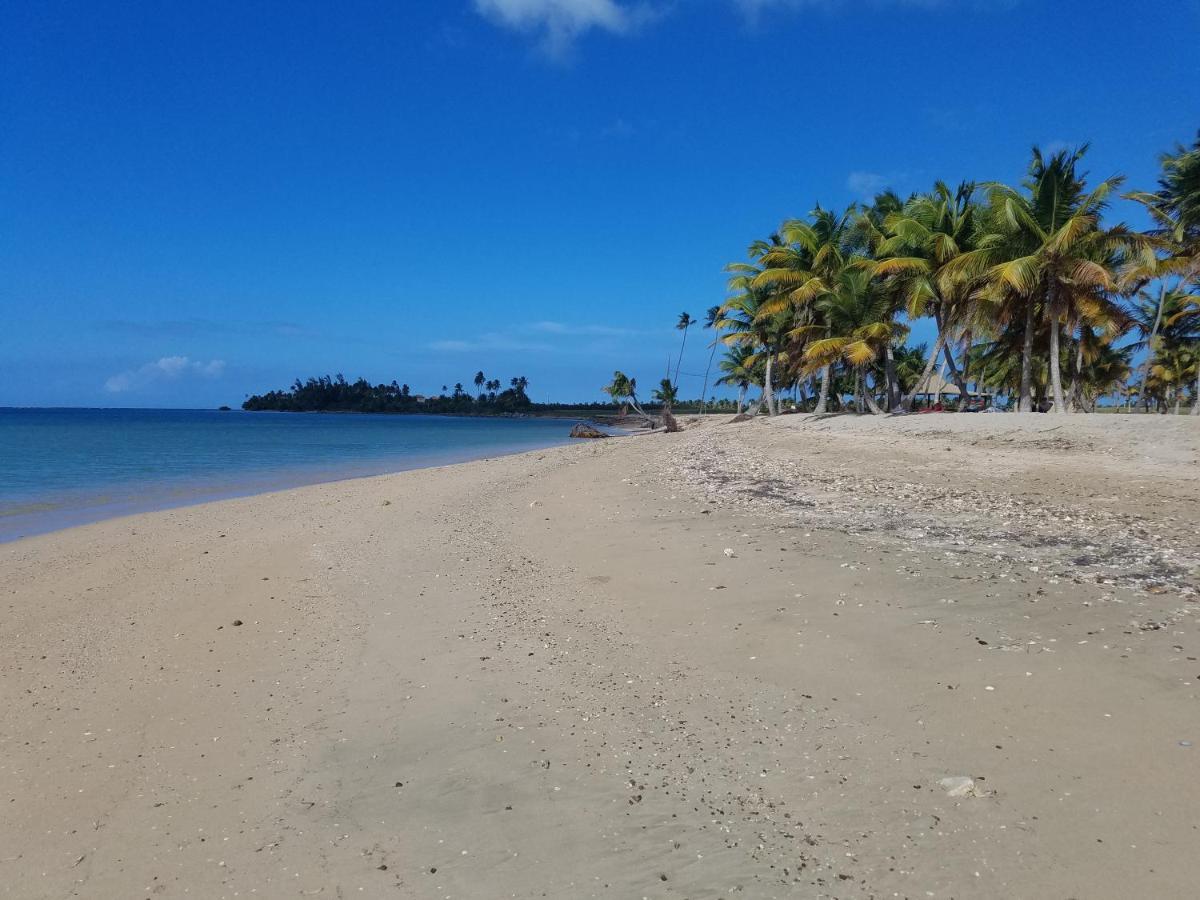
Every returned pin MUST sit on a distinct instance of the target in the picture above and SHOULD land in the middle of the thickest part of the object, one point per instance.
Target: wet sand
(736, 661)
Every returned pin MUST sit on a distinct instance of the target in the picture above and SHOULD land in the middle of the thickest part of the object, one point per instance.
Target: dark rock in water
(584, 430)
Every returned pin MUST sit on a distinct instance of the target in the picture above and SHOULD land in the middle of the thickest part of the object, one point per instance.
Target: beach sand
(733, 662)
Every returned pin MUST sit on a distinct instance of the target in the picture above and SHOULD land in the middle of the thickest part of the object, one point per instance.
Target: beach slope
(940, 656)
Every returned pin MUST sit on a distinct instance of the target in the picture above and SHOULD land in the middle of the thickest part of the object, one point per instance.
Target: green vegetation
(1037, 302)
(336, 394)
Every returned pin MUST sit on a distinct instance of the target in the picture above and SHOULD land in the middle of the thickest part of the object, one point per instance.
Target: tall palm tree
(1045, 257)
(685, 322)
(711, 317)
(479, 381)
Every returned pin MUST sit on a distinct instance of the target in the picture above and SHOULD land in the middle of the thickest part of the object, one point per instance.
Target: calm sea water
(61, 467)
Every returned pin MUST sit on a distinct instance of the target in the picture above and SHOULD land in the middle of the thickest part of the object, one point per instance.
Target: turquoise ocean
(63, 467)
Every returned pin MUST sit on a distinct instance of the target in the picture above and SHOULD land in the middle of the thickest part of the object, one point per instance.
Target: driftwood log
(584, 430)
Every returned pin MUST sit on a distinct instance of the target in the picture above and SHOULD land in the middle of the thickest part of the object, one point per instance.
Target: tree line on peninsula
(336, 394)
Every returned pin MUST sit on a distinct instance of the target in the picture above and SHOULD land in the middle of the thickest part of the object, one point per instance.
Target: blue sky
(199, 201)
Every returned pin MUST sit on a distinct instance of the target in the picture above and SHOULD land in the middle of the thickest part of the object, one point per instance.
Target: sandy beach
(933, 656)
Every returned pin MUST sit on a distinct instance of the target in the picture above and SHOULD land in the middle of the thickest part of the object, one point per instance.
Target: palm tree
(859, 324)
(1148, 316)
(913, 251)
(711, 317)
(665, 394)
(479, 381)
(623, 389)
(1175, 208)
(742, 317)
(685, 322)
(1045, 258)
(1173, 370)
(738, 367)
(801, 264)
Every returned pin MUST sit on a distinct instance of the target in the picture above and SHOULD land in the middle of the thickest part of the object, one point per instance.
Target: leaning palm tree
(623, 389)
(685, 322)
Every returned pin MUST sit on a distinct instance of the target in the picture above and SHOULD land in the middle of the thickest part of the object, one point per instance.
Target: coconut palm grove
(1038, 300)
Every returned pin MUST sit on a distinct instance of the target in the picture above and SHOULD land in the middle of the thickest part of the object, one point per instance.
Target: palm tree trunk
(1162, 294)
(741, 399)
(1076, 390)
(959, 381)
(870, 398)
(768, 388)
(680, 363)
(1025, 403)
(923, 381)
(1196, 393)
(823, 396)
(968, 340)
(1060, 403)
(1178, 399)
(889, 371)
(707, 370)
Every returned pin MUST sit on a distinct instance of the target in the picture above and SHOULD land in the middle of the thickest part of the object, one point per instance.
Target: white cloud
(535, 337)
(557, 23)
(167, 368)
(866, 185)
(753, 10)
(488, 342)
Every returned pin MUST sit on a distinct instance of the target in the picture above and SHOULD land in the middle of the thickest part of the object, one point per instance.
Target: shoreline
(57, 519)
(544, 674)
(70, 506)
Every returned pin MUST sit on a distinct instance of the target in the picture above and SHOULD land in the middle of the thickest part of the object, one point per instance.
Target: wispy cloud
(753, 10)
(535, 337)
(866, 185)
(579, 330)
(166, 368)
(556, 24)
(490, 342)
